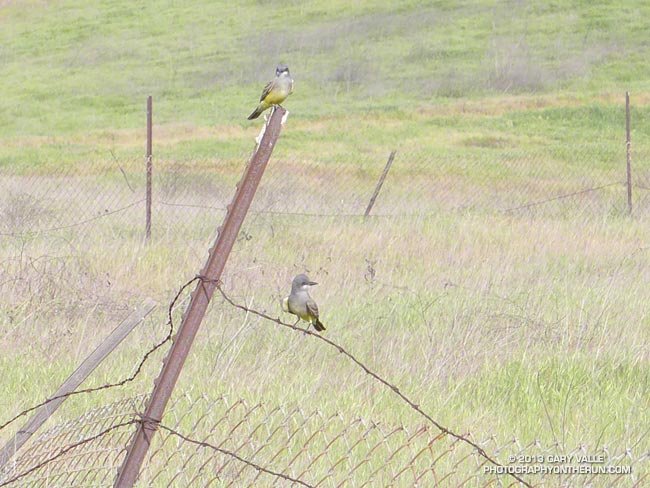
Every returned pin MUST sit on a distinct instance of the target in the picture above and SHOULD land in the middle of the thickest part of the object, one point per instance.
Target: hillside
(79, 72)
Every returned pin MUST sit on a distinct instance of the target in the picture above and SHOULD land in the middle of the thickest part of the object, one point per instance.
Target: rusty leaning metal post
(149, 167)
(380, 183)
(217, 257)
(629, 152)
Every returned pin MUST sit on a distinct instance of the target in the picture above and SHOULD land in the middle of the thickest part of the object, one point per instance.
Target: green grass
(72, 66)
(529, 325)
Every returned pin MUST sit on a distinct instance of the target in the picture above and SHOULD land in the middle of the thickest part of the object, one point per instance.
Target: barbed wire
(267, 212)
(202, 443)
(395, 449)
(140, 419)
(67, 449)
(132, 377)
(283, 208)
(236, 456)
(331, 343)
(368, 371)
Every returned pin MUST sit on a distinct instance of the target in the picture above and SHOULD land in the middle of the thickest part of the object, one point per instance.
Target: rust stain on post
(201, 296)
(380, 183)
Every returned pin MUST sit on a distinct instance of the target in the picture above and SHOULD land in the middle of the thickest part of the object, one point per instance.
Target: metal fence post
(629, 152)
(149, 168)
(211, 273)
(380, 183)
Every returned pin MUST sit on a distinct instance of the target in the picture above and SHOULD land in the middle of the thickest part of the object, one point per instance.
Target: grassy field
(530, 325)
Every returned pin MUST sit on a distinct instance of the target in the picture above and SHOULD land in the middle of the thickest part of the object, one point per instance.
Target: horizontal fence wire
(208, 441)
(192, 195)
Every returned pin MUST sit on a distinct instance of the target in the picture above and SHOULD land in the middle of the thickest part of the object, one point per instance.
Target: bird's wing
(269, 86)
(312, 308)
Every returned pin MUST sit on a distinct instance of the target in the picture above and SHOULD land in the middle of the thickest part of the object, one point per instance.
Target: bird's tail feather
(256, 113)
(318, 325)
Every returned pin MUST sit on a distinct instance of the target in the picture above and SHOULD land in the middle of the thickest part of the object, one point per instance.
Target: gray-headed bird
(275, 92)
(299, 302)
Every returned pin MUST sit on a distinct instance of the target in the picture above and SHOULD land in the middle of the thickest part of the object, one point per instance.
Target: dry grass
(437, 304)
(500, 327)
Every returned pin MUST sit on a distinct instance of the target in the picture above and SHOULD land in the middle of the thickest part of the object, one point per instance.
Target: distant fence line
(481, 175)
(491, 181)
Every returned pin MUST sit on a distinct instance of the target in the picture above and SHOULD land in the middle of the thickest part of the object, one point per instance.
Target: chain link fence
(85, 451)
(66, 231)
(203, 441)
(583, 180)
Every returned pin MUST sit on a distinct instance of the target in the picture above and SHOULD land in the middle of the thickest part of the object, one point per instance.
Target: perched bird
(301, 304)
(275, 92)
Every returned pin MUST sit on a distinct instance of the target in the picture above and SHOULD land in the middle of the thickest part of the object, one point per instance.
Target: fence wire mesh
(72, 248)
(318, 448)
(84, 451)
(581, 179)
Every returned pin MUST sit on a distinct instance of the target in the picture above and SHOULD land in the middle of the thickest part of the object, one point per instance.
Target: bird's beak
(311, 283)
